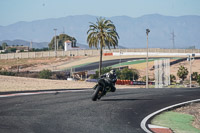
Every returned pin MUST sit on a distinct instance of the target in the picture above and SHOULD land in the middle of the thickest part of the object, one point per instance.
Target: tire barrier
(123, 82)
(129, 82)
(108, 54)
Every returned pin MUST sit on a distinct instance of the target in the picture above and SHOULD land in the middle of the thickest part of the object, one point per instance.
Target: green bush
(194, 76)
(144, 78)
(128, 74)
(124, 74)
(7, 73)
(182, 72)
(103, 71)
(172, 78)
(198, 79)
(45, 74)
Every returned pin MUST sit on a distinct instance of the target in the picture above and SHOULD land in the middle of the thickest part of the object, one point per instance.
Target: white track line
(144, 121)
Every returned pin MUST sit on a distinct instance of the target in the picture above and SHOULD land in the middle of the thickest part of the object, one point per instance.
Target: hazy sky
(12, 11)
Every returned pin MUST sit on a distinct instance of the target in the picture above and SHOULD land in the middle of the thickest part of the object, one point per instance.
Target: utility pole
(63, 30)
(147, 58)
(173, 39)
(120, 60)
(55, 42)
(190, 59)
(190, 71)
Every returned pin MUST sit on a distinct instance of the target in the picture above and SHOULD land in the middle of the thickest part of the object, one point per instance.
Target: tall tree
(102, 34)
(4, 45)
(61, 40)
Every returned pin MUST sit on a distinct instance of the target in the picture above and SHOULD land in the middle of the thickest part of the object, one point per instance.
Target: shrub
(124, 74)
(198, 79)
(172, 78)
(104, 70)
(128, 74)
(45, 74)
(61, 75)
(144, 79)
(194, 76)
(7, 73)
(182, 72)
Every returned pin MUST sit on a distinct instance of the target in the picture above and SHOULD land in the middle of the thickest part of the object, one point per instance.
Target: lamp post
(55, 42)
(120, 60)
(191, 58)
(147, 76)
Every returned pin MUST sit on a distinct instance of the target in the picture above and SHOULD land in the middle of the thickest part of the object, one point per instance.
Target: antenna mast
(173, 39)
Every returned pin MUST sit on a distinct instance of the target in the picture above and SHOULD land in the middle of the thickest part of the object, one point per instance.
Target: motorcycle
(101, 88)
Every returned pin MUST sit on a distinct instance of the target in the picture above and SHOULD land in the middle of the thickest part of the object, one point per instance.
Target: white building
(70, 46)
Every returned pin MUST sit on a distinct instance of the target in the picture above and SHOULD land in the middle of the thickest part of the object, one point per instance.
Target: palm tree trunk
(100, 62)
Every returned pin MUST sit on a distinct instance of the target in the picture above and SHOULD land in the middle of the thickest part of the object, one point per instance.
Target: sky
(12, 11)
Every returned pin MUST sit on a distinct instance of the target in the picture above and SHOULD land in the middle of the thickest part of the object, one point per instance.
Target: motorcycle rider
(110, 79)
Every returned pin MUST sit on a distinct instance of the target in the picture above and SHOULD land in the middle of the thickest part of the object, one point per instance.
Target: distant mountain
(40, 44)
(25, 43)
(132, 31)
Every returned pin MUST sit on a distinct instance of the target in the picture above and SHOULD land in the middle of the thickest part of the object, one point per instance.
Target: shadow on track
(123, 99)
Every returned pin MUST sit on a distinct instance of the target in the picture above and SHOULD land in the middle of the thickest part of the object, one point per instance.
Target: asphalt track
(95, 65)
(75, 112)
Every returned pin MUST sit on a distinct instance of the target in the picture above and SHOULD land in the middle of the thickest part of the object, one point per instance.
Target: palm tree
(102, 34)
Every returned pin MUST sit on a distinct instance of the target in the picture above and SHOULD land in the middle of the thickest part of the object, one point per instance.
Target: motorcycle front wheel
(96, 95)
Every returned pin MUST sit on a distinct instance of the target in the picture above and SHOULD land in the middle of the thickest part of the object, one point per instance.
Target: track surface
(95, 65)
(74, 112)
(107, 63)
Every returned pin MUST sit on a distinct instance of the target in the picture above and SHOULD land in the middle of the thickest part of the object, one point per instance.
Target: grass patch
(131, 62)
(178, 122)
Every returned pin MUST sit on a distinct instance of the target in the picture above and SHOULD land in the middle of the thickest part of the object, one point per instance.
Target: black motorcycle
(101, 88)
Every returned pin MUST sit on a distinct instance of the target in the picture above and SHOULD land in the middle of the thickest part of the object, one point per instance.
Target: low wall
(96, 53)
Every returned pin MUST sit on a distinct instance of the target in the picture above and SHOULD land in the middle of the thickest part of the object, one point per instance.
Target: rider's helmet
(112, 71)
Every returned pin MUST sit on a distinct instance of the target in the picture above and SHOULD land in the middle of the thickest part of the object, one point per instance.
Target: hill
(25, 43)
(132, 31)
(40, 44)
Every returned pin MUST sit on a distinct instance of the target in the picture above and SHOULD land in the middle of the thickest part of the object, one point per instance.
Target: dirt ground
(39, 64)
(11, 83)
(173, 69)
(61, 63)
(36, 64)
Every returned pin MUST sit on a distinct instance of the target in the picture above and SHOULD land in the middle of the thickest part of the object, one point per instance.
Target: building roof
(68, 41)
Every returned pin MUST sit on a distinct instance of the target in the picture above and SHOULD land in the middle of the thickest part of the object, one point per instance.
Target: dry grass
(34, 63)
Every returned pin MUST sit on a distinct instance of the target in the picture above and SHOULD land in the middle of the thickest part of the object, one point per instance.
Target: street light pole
(55, 42)
(190, 72)
(120, 59)
(191, 58)
(147, 58)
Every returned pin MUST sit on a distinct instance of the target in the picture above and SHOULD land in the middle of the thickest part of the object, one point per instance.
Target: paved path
(75, 112)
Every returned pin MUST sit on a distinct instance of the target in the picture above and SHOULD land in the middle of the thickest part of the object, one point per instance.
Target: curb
(143, 123)
(159, 129)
